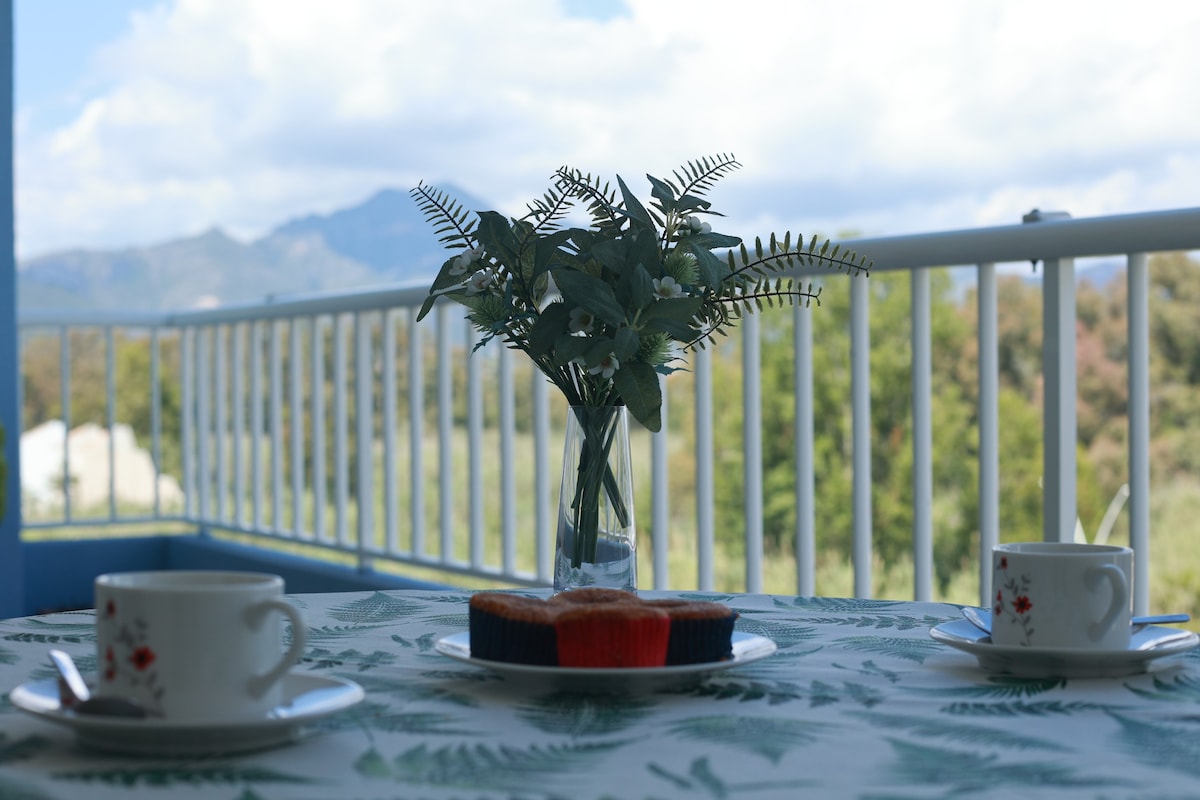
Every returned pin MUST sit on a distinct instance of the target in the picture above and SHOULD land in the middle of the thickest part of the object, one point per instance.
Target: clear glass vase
(597, 543)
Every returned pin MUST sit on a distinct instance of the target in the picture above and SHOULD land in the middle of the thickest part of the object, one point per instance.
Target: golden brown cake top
(514, 606)
(589, 595)
(692, 609)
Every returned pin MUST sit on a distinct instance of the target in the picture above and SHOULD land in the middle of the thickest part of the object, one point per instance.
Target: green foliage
(595, 307)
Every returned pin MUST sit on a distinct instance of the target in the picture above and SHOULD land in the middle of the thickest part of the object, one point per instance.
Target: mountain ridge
(383, 239)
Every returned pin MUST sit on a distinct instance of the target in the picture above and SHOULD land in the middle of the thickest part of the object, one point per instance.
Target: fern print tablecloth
(858, 702)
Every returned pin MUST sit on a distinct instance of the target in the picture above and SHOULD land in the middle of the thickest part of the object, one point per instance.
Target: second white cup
(1061, 594)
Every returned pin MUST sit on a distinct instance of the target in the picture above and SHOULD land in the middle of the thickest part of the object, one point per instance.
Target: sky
(142, 121)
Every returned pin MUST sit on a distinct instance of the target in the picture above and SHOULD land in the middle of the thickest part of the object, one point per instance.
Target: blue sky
(140, 121)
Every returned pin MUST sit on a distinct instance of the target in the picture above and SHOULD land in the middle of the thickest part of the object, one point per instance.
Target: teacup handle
(255, 615)
(1120, 596)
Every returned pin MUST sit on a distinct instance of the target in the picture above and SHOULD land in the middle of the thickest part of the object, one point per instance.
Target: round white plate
(1146, 645)
(305, 698)
(747, 648)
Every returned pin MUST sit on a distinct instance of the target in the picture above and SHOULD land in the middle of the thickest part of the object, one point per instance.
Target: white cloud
(865, 115)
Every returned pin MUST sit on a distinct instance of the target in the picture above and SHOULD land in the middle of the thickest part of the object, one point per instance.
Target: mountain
(384, 239)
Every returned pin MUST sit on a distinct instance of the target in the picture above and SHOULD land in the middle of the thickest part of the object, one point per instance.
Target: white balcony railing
(308, 420)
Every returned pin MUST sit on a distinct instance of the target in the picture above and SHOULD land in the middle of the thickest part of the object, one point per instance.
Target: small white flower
(696, 225)
(480, 281)
(465, 259)
(667, 288)
(607, 366)
(581, 320)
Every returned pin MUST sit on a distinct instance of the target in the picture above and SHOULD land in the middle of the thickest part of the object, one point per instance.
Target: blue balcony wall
(60, 573)
(11, 569)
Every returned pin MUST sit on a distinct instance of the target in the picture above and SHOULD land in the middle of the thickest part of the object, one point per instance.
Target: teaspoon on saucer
(982, 618)
(75, 695)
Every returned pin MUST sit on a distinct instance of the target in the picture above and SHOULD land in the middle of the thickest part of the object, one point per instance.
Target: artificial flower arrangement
(604, 310)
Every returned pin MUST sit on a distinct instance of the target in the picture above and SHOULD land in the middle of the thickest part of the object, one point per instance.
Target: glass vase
(596, 543)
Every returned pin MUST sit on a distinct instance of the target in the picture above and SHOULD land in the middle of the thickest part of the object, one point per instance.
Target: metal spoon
(982, 618)
(75, 696)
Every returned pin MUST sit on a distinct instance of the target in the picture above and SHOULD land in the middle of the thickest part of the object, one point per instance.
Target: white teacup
(195, 646)
(1061, 594)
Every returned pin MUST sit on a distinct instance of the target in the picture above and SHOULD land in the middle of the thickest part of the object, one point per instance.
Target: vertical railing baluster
(187, 427)
(860, 391)
(508, 490)
(752, 466)
(340, 433)
(922, 444)
(220, 441)
(545, 492)
(317, 393)
(110, 413)
(1138, 285)
(806, 546)
(416, 427)
(276, 391)
(391, 481)
(296, 404)
(1058, 419)
(64, 388)
(204, 421)
(705, 525)
(364, 438)
(256, 423)
(445, 395)
(476, 449)
(237, 333)
(660, 510)
(989, 427)
(156, 415)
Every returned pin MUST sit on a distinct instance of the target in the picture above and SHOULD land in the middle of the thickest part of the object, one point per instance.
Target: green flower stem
(598, 426)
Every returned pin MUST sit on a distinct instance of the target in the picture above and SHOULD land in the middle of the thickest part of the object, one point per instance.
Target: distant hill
(383, 240)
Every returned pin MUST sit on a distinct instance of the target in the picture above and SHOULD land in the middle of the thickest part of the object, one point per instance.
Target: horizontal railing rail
(336, 424)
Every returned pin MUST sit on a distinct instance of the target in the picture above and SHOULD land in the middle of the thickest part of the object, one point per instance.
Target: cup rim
(185, 580)
(1060, 549)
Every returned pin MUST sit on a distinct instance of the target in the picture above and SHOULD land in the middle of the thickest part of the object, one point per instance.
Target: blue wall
(11, 570)
(59, 574)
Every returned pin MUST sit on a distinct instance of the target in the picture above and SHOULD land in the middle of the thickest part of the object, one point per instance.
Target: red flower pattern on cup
(1016, 610)
(129, 661)
(142, 657)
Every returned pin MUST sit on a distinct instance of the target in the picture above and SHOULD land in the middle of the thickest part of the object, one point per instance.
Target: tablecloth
(858, 702)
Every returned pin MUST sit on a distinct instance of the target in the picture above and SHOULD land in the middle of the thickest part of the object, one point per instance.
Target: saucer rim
(747, 648)
(31, 697)
(1043, 662)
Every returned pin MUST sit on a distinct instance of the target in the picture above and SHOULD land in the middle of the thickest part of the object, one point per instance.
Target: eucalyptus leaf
(662, 192)
(640, 289)
(673, 316)
(712, 269)
(497, 238)
(552, 323)
(638, 386)
(589, 292)
(626, 343)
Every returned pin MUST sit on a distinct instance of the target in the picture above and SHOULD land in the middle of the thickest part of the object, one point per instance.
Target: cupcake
(612, 634)
(510, 627)
(700, 631)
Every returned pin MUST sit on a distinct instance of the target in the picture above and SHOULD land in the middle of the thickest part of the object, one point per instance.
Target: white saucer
(1146, 645)
(306, 697)
(747, 648)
